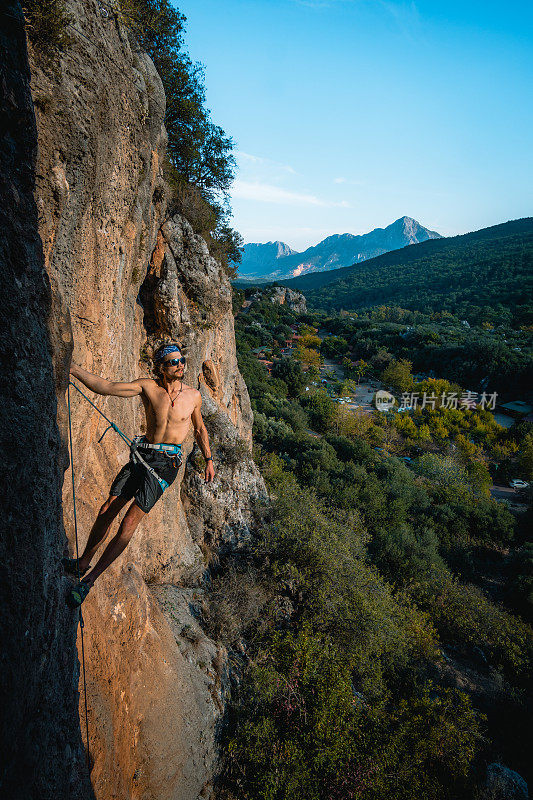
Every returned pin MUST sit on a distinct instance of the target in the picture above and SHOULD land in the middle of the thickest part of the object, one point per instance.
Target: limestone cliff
(41, 752)
(123, 276)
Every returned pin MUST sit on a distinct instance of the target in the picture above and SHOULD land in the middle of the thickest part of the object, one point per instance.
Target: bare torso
(166, 422)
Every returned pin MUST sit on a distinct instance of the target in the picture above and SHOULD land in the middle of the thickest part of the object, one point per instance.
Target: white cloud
(348, 182)
(247, 157)
(259, 160)
(266, 193)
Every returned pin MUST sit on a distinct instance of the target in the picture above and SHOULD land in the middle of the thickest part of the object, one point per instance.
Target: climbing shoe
(70, 565)
(77, 594)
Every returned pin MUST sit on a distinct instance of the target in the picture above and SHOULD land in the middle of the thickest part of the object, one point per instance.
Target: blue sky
(348, 114)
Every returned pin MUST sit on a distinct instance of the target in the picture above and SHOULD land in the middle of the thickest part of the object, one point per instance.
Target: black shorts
(134, 480)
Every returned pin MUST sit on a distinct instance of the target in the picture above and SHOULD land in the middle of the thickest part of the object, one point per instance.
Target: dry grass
(236, 600)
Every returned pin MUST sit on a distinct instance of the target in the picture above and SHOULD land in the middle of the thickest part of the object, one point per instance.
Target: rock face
(41, 752)
(123, 278)
(503, 783)
(279, 295)
(258, 259)
(295, 300)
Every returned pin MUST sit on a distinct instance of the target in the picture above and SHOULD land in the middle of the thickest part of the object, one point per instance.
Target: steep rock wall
(41, 752)
(155, 697)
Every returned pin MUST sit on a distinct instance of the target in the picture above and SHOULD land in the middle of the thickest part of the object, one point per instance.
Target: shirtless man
(170, 405)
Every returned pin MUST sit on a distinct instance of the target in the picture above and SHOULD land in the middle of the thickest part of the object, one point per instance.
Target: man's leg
(111, 508)
(117, 544)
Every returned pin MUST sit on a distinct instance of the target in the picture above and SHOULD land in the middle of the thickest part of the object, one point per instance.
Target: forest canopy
(481, 276)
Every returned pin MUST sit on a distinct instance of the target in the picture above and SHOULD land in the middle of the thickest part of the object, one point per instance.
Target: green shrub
(47, 26)
(301, 730)
(321, 410)
(466, 618)
(200, 166)
(521, 581)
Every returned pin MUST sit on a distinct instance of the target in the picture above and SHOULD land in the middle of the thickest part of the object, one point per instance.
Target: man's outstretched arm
(103, 386)
(200, 434)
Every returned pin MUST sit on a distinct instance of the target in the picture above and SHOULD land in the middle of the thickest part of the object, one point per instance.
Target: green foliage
(47, 26)
(282, 409)
(368, 559)
(405, 556)
(464, 616)
(443, 471)
(334, 347)
(526, 456)
(303, 731)
(290, 371)
(321, 409)
(201, 166)
(521, 581)
(483, 276)
(398, 375)
(497, 360)
(226, 246)
(332, 709)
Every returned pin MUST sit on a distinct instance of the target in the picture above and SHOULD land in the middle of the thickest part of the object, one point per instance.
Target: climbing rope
(82, 624)
(133, 444)
(110, 423)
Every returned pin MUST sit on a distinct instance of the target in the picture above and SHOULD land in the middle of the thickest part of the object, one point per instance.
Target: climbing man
(170, 406)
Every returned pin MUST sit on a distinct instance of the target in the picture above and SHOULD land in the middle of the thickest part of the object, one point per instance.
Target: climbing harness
(137, 458)
(168, 449)
(173, 449)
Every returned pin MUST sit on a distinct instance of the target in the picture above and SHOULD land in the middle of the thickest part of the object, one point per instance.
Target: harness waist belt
(175, 449)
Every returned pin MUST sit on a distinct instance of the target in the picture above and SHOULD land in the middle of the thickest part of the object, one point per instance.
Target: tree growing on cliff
(47, 27)
(199, 152)
(199, 149)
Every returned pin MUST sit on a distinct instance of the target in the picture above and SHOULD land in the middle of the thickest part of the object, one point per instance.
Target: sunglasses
(175, 361)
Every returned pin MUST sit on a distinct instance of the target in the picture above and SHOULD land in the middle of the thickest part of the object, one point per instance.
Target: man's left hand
(209, 472)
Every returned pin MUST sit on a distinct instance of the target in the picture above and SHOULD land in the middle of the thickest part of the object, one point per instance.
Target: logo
(383, 400)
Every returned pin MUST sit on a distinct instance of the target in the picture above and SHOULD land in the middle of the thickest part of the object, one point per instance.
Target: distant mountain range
(276, 261)
(462, 275)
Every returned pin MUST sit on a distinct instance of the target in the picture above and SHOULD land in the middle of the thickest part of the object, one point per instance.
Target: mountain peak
(276, 260)
(412, 229)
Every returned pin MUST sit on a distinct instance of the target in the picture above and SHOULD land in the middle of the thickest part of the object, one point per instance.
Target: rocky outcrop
(123, 277)
(41, 752)
(279, 295)
(294, 300)
(503, 783)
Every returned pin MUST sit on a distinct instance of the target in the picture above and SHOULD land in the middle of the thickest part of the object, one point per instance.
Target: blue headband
(164, 351)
